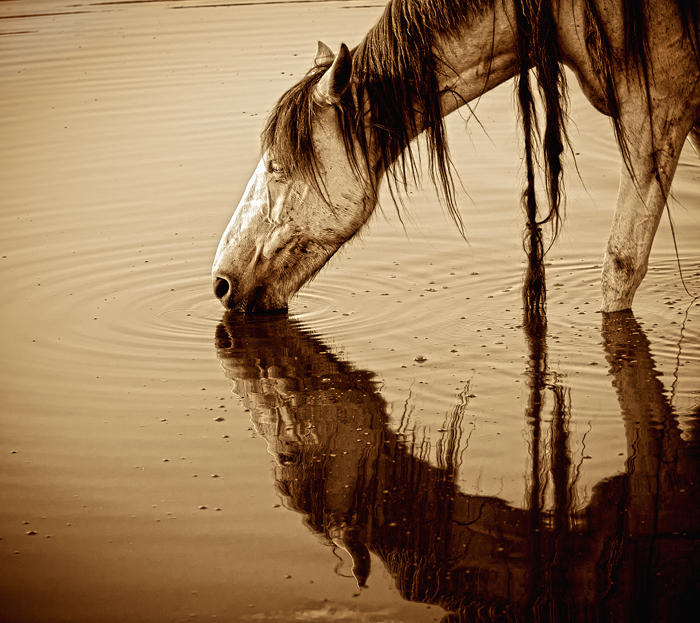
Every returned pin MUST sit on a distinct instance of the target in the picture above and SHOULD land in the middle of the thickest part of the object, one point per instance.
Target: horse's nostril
(221, 287)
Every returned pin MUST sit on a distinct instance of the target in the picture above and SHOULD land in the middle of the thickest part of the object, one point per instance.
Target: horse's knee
(624, 266)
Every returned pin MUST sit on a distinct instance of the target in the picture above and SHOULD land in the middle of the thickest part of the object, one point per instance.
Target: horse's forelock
(287, 135)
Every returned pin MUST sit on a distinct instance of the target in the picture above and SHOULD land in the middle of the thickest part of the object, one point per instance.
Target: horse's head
(308, 195)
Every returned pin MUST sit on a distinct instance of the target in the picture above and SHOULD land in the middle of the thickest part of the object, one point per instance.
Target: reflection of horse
(631, 555)
(351, 120)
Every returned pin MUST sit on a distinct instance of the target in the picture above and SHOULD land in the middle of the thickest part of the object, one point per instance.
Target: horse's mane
(395, 79)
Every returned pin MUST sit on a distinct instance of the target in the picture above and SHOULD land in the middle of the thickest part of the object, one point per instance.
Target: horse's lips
(255, 299)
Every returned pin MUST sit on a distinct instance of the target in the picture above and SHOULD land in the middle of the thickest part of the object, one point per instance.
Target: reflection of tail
(551, 543)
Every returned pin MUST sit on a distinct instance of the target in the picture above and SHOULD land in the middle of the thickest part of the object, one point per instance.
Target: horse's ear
(336, 80)
(324, 55)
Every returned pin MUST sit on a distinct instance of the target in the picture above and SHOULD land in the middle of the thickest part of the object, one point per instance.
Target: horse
(352, 120)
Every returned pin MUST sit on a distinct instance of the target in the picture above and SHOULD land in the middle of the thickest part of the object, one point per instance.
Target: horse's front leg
(643, 191)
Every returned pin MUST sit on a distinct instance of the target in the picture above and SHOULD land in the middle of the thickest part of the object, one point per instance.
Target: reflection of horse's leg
(662, 471)
(644, 187)
(651, 432)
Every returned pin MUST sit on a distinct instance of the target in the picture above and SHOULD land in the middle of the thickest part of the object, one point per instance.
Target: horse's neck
(479, 58)
(470, 60)
(484, 53)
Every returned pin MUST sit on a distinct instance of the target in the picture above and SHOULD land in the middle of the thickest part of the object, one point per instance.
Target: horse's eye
(275, 168)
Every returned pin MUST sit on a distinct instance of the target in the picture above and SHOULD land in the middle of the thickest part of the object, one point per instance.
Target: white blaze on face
(253, 204)
(270, 214)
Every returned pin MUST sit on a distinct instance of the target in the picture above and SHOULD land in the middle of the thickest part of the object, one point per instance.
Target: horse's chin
(259, 301)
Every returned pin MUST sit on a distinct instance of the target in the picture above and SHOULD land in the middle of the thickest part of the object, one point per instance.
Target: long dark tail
(538, 47)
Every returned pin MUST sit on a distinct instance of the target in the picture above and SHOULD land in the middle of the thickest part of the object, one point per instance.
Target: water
(129, 131)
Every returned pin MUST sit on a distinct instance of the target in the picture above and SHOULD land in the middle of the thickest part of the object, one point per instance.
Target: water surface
(161, 461)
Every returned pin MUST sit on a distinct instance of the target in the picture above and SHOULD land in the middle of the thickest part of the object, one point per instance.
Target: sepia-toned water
(395, 449)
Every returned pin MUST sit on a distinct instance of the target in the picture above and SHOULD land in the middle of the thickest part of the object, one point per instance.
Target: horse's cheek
(277, 239)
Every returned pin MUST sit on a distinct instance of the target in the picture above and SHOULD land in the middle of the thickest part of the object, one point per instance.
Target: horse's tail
(538, 48)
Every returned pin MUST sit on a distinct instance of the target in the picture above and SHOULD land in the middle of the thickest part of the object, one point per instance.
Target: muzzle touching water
(248, 280)
(252, 300)
(270, 247)
(225, 289)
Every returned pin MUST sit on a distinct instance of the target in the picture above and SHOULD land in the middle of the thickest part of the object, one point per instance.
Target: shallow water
(161, 462)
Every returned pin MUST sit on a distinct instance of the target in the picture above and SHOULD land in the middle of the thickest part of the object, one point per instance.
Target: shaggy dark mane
(396, 76)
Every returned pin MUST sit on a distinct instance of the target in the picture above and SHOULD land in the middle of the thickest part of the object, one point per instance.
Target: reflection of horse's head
(365, 487)
(300, 395)
(322, 420)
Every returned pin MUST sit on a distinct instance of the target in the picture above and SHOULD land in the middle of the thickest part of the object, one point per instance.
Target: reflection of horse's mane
(410, 513)
(316, 411)
(416, 486)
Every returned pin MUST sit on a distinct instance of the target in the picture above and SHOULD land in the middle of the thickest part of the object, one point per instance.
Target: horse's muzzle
(235, 298)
